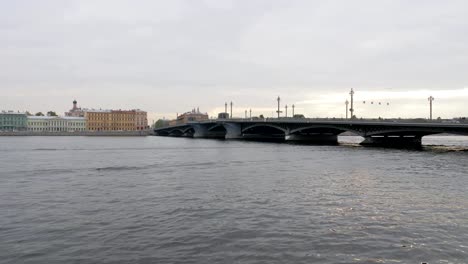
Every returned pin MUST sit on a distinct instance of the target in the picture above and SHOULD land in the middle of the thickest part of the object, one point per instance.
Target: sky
(167, 57)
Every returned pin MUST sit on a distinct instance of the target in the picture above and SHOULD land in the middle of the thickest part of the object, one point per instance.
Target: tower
(75, 104)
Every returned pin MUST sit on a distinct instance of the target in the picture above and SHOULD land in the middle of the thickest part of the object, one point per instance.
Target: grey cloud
(203, 53)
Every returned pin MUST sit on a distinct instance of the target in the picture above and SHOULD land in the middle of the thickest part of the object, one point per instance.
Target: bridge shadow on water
(356, 145)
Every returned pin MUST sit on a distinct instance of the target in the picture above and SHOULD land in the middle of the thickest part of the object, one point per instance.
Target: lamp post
(225, 107)
(250, 114)
(231, 110)
(346, 108)
(293, 110)
(278, 111)
(352, 103)
(245, 114)
(286, 110)
(430, 106)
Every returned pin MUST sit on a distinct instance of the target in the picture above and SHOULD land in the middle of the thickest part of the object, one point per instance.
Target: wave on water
(120, 168)
(47, 149)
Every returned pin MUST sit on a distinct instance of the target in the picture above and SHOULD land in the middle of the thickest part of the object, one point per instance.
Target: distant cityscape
(75, 120)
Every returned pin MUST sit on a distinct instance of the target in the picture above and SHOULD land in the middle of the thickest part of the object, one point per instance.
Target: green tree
(39, 114)
(51, 113)
(161, 123)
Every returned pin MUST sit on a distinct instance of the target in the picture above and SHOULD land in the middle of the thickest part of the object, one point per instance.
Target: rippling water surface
(175, 200)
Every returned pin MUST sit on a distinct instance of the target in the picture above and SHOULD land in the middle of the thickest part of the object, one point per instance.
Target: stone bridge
(383, 133)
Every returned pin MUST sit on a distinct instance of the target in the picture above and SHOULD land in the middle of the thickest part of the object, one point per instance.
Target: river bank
(80, 133)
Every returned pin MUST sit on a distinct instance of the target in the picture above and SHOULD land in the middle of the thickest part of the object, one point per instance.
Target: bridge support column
(233, 130)
(201, 131)
(187, 134)
(393, 141)
(313, 138)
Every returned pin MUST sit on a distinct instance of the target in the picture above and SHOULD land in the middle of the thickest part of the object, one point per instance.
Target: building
(141, 120)
(98, 120)
(76, 111)
(194, 115)
(116, 120)
(12, 121)
(56, 124)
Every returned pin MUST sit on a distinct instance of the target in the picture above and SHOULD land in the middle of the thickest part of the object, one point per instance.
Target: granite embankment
(81, 133)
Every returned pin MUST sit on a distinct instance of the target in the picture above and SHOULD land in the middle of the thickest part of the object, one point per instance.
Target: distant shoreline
(80, 133)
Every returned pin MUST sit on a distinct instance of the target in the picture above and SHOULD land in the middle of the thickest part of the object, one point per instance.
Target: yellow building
(98, 120)
(116, 120)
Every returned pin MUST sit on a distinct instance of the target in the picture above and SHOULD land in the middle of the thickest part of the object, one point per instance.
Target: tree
(51, 113)
(28, 113)
(261, 116)
(161, 123)
(39, 114)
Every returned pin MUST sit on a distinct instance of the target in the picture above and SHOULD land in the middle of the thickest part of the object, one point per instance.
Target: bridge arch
(268, 126)
(403, 132)
(322, 129)
(188, 129)
(176, 132)
(264, 132)
(217, 128)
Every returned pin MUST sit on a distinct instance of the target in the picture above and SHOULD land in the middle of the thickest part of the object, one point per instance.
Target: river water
(177, 200)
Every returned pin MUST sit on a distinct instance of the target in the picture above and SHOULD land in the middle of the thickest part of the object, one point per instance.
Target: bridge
(374, 132)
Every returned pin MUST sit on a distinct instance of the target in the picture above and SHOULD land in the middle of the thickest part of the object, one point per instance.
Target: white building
(56, 124)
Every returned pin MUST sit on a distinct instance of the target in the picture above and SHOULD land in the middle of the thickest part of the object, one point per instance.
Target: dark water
(169, 200)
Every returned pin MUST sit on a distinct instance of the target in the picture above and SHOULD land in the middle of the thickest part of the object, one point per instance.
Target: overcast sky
(170, 56)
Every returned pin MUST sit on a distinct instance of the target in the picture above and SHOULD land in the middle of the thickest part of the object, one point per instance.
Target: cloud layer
(171, 56)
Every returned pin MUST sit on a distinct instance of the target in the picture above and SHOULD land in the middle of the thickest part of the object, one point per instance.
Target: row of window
(110, 129)
(55, 129)
(12, 123)
(111, 119)
(70, 124)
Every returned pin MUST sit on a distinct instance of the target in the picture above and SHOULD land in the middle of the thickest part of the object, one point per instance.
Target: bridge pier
(326, 139)
(233, 131)
(202, 131)
(393, 141)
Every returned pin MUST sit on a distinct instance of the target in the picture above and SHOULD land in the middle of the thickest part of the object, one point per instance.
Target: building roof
(12, 113)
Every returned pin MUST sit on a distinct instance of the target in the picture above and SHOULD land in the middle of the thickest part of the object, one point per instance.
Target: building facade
(141, 120)
(56, 124)
(194, 115)
(116, 120)
(75, 111)
(12, 121)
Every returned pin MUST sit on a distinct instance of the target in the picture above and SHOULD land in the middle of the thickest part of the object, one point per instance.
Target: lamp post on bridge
(346, 108)
(231, 110)
(430, 106)
(352, 103)
(225, 107)
(278, 111)
(293, 110)
(245, 113)
(250, 114)
(286, 110)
